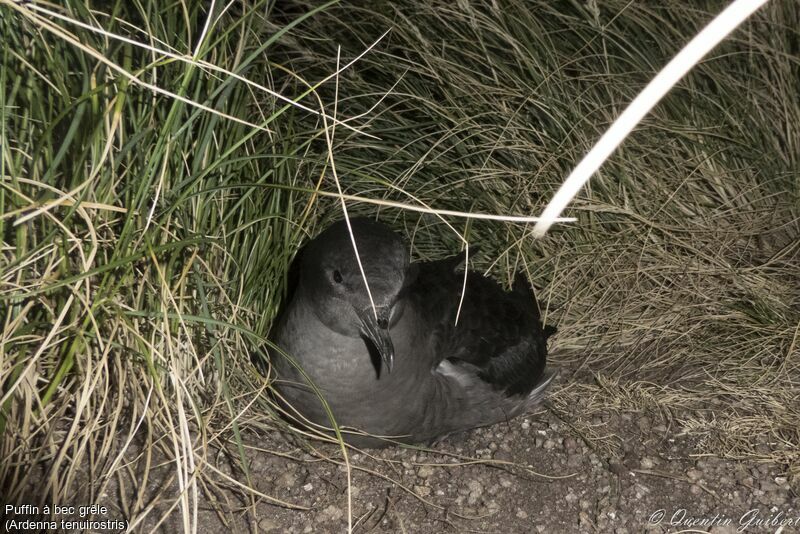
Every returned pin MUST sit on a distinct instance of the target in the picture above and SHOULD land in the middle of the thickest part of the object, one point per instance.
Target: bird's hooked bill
(376, 329)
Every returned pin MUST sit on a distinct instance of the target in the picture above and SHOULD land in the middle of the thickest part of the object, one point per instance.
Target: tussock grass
(130, 224)
(679, 282)
(146, 235)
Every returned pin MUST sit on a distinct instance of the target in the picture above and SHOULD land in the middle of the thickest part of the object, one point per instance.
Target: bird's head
(332, 279)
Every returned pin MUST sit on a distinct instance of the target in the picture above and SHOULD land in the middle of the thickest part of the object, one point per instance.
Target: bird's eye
(337, 277)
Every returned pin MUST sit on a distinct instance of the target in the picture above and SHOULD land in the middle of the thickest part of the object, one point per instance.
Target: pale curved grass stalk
(329, 134)
(692, 53)
(206, 27)
(440, 212)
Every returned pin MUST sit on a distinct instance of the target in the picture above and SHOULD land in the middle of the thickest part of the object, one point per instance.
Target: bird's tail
(537, 393)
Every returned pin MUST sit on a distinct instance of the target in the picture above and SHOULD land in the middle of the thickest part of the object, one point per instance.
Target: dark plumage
(404, 369)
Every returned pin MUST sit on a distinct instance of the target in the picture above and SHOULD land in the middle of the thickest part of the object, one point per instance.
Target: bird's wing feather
(498, 333)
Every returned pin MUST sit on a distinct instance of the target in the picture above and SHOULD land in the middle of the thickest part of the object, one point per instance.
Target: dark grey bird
(389, 357)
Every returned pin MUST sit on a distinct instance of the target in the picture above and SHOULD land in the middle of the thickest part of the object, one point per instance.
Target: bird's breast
(354, 383)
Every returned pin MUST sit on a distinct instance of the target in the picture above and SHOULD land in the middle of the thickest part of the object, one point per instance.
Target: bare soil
(535, 473)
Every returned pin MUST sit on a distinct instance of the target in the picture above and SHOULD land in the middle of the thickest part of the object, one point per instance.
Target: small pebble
(333, 512)
(425, 471)
(287, 480)
(422, 491)
(768, 485)
(694, 475)
(584, 522)
(475, 491)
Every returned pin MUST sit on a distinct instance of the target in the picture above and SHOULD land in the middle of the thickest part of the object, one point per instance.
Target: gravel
(656, 480)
